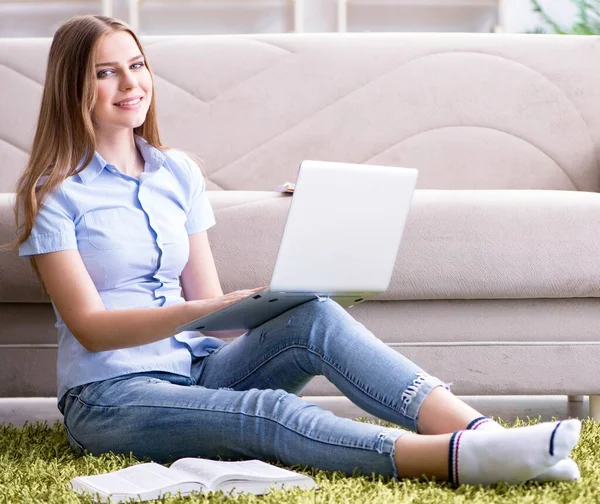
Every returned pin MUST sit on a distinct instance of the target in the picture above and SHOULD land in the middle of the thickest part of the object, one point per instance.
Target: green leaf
(588, 13)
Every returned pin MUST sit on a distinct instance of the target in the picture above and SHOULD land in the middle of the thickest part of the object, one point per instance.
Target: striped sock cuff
(478, 422)
(453, 457)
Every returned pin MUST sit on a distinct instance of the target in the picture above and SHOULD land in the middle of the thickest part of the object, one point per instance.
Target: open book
(152, 481)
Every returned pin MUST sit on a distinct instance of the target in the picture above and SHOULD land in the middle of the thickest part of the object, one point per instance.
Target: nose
(128, 80)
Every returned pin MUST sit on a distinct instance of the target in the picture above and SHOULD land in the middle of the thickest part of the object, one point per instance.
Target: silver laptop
(340, 241)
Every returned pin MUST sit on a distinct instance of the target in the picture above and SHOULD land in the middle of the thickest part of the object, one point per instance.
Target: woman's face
(124, 84)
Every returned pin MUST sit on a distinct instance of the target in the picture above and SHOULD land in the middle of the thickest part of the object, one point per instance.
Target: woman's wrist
(189, 312)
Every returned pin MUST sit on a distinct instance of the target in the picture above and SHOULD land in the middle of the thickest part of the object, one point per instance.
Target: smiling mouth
(129, 103)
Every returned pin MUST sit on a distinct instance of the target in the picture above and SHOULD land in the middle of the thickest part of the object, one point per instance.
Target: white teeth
(130, 102)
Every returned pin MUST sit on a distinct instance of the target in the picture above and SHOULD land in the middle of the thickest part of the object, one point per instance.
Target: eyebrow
(115, 63)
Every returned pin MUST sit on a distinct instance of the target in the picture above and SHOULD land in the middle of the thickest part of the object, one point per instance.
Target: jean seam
(331, 365)
(367, 393)
(70, 435)
(90, 405)
(265, 360)
(231, 412)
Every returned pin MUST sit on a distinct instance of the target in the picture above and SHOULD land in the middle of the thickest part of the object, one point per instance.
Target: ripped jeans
(239, 402)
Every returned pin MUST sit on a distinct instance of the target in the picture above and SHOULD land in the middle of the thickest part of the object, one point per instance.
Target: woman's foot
(510, 455)
(481, 458)
(564, 470)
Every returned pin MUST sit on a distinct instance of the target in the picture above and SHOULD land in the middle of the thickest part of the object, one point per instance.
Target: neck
(118, 149)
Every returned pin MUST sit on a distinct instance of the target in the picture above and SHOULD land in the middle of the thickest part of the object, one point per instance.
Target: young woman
(115, 225)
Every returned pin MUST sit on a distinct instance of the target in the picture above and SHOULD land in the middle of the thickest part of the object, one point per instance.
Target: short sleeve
(53, 229)
(200, 215)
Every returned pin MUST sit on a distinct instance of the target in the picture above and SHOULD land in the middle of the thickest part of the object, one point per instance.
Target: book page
(215, 472)
(263, 487)
(136, 479)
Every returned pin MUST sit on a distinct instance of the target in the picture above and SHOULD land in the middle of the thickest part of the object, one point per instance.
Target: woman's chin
(133, 123)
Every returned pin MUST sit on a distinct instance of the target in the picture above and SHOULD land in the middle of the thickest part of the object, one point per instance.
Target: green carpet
(36, 464)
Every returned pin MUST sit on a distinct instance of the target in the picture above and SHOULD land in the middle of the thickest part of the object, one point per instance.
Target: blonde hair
(64, 137)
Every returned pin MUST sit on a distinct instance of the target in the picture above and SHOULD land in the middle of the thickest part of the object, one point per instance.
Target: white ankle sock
(510, 455)
(564, 470)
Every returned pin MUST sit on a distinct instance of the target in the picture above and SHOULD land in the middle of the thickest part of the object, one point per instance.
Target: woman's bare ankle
(442, 412)
(416, 456)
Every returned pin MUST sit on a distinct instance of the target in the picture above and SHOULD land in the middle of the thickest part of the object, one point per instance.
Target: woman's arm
(97, 329)
(200, 280)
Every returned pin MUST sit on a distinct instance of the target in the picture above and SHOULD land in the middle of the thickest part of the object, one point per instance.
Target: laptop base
(261, 307)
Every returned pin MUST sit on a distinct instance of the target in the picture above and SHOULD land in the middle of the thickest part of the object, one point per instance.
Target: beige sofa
(497, 283)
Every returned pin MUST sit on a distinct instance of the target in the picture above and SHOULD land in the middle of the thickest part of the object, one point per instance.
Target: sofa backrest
(470, 111)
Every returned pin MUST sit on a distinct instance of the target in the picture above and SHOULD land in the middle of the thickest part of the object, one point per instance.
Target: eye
(138, 65)
(103, 73)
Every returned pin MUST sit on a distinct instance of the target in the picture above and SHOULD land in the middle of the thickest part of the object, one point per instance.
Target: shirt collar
(153, 157)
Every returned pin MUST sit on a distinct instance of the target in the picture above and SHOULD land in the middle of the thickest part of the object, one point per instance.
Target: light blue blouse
(132, 236)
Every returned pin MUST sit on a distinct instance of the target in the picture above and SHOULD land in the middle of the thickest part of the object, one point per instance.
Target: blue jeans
(240, 401)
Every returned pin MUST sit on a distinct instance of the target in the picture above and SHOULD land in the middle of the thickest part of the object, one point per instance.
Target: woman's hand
(200, 308)
(206, 306)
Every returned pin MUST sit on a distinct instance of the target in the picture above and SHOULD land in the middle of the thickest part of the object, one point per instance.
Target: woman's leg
(165, 417)
(321, 338)
(442, 412)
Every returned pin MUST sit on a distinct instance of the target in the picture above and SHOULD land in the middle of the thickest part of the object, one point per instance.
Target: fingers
(234, 296)
(230, 298)
(245, 292)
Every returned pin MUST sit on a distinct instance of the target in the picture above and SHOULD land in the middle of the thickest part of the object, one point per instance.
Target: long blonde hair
(65, 138)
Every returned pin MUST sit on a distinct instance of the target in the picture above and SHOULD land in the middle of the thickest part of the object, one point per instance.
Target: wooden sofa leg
(595, 407)
(575, 398)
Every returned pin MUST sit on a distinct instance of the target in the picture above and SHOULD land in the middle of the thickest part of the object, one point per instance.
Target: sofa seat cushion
(458, 244)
